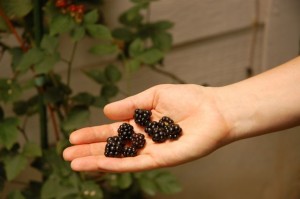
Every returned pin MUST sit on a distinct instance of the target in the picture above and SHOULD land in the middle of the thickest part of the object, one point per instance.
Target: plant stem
(38, 34)
(70, 63)
(23, 133)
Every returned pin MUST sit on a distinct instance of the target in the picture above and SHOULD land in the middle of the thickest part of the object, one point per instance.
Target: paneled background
(216, 42)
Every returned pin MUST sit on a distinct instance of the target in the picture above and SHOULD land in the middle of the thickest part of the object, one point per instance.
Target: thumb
(124, 109)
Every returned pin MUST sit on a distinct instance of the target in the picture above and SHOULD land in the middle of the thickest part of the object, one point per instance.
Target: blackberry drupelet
(114, 147)
(166, 121)
(142, 117)
(125, 131)
(138, 140)
(129, 151)
(174, 131)
(159, 135)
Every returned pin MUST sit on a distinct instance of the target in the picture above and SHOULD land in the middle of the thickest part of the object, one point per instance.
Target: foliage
(36, 89)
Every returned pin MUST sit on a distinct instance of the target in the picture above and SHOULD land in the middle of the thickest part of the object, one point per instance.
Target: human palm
(193, 107)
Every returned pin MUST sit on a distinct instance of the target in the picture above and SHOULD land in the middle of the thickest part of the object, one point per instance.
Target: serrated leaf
(9, 132)
(104, 49)
(83, 98)
(136, 47)
(100, 102)
(151, 56)
(109, 91)
(99, 31)
(32, 150)
(163, 25)
(61, 24)
(112, 73)
(77, 118)
(47, 64)
(10, 90)
(16, 195)
(125, 180)
(16, 8)
(91, 17)
(77, 34)
(50, 188)
(97, 75)
(162, 41)
(148, 186)
(33, 56)
(49, 44)
(133, 65)
(167, 183)
(14, 165)
(132, 17)
(17, 54)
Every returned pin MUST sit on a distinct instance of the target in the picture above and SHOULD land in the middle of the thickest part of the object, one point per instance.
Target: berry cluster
(159, 131)
(126, 144)
(68, 6)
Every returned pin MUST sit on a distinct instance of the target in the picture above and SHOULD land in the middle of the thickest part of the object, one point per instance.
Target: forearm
(262, 104)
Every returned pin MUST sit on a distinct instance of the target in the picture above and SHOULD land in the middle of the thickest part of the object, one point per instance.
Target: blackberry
(174, 131)
(125, 131)
(159, 135)
(114, 147)
(138, 140)
(151, 128)
(129, 151)
(166, 121)
(142, 117)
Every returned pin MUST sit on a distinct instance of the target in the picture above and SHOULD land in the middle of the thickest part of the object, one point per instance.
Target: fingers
(102, 163)
(124, 109)
(93, 134)
(78, 151)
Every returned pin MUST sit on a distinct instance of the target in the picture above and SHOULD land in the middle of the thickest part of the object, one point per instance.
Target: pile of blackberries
(127, 143)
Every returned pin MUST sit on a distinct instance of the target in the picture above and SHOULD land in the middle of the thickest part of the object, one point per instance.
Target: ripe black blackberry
(142, 117)
(151, 128)
(174, 131)
(166, 121)
(114, 147)
(129, 151)
(125, 131)
(159, 135)
(138, 140)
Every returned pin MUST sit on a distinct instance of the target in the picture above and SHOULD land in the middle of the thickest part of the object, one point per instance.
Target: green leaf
(104, 49)
(77, 33)
(61, 24)
(20, 107)
(47, 64)
(148, 186)
(151, 56)
(112, 73)
(167, 183)
(3, 25)
(50, 188)
(16, 8)
(125, 180)
(49, 44)
(9, 132)
(32, 150)
(136, 47)
(133, 65)
(91, 17)
(17, 54)
(10, 90)
(162, 41)
(16, 195)
(91, 190)
(83, 98)
(99, 31)
(163, 25)
(33, 56)
(100, 102)
(77, 118)
(123, 34)
(97, 75)
(109, 91)
(14, 165)
(132, 17)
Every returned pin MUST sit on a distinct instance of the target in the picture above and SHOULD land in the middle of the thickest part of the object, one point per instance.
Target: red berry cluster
(68, 6)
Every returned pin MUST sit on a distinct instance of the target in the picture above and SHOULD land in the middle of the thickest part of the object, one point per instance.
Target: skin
(210, 118)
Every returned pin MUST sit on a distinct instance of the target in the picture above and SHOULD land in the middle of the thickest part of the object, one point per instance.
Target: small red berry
(80, 9)
(72, 8)
(61, 3)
